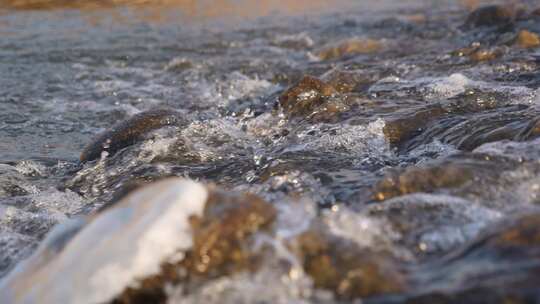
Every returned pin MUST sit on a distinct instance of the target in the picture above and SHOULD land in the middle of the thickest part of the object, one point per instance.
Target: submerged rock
(461, 174)
(467, 121)
(501, 266)
(416, 179)
(431, 225)
(347, 270)
(128, 132)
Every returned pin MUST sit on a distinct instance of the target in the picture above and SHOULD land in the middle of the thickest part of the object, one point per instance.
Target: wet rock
(128, 132)
(475, 101)
(219, 236)
(492, 183)
(349, 47)
(220, 245)
(466, 174)
(491, 128)
(349, 81)
(492, 15)
(466, 51)
(477, 53)
(486, 54)
(468, 121)
(526, 39)
(312, 98)
(399, 130)
(345, 269)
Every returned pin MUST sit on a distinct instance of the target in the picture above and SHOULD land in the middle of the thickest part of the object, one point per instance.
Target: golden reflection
(193, 8)
(170, 10)
(196, 10)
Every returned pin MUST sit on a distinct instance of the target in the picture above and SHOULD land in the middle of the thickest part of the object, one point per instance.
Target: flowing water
(400, 137)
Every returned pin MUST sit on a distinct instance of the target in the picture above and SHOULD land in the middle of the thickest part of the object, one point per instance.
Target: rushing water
(414, 140)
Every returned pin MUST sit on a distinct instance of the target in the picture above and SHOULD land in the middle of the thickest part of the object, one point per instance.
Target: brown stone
(526, 39)
(486, 54)
(219, 237)
(349, 47)
(417, 179)
(220, 245)
(477, 53)
(312, 98)
(466, 51)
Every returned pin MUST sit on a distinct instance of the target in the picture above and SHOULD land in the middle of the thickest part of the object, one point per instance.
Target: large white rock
(92, 260)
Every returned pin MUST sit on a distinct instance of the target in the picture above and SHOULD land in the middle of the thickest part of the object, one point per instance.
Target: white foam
(294, 217)
(435, 88)
(280, 279)
(301, 39)
(126, 243)
(358, 140)
(449, 86)
(365, 231)
(222, 92)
